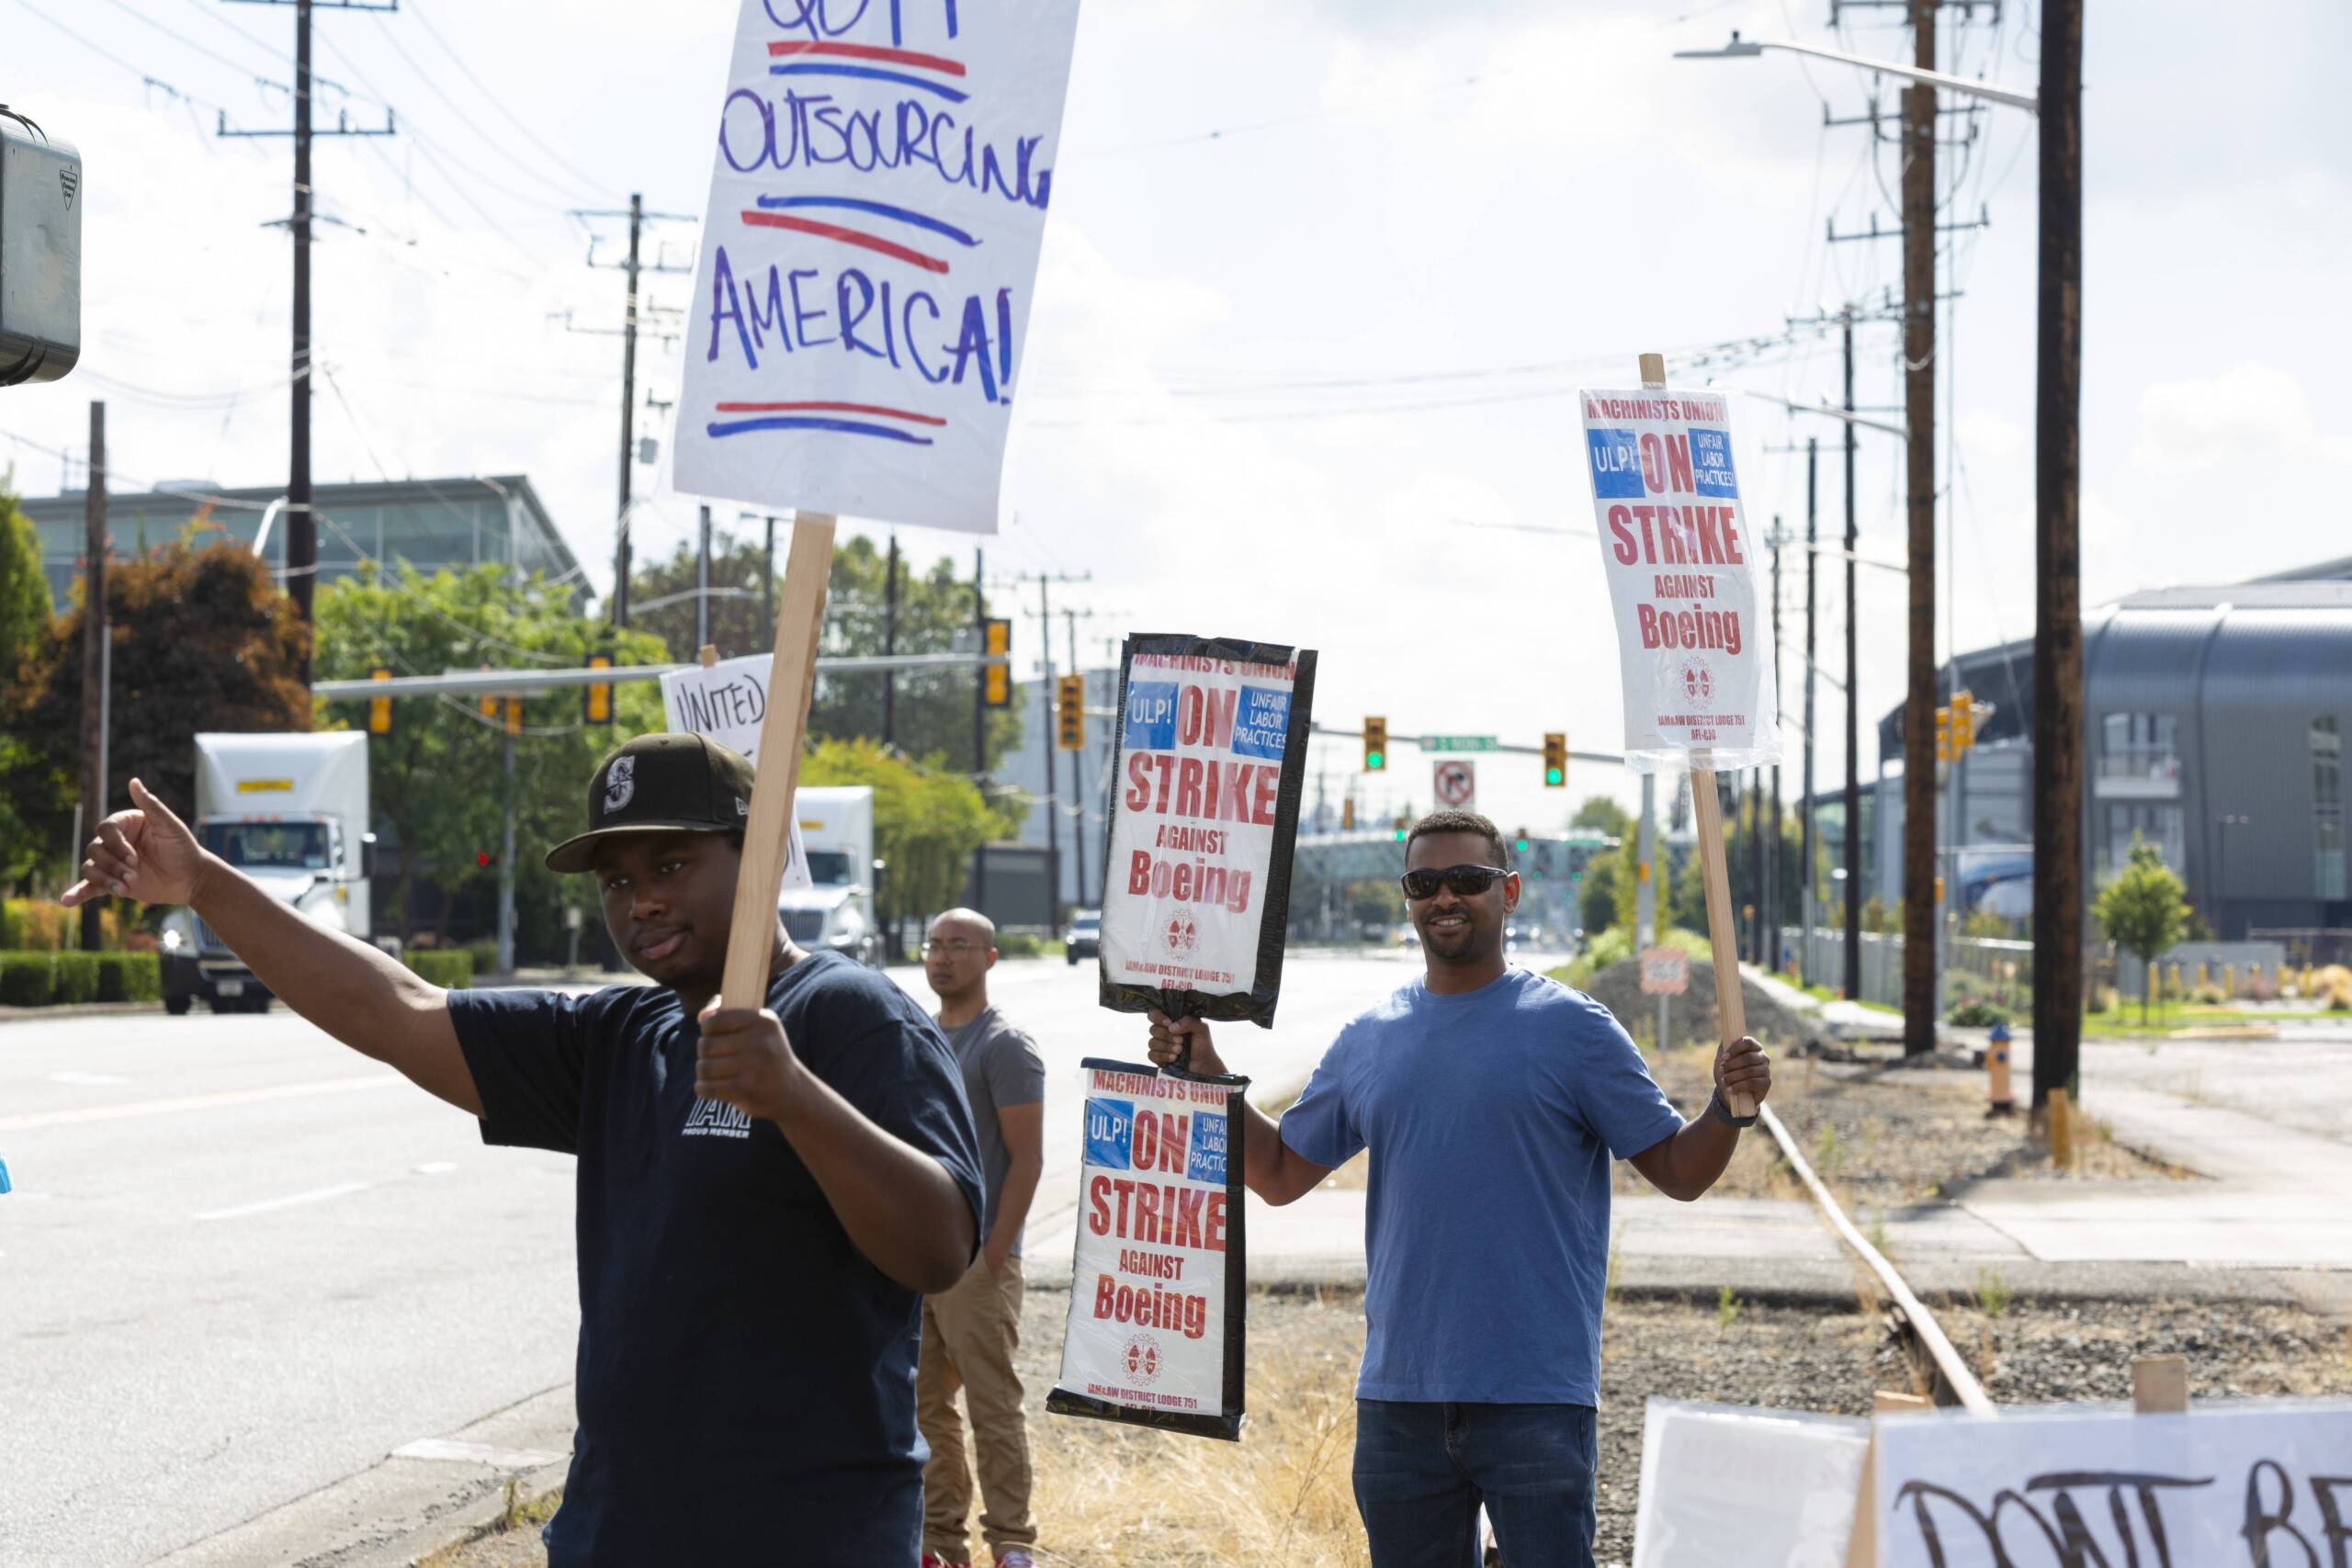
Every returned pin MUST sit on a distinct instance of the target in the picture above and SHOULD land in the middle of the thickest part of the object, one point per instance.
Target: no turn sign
(1455, 783)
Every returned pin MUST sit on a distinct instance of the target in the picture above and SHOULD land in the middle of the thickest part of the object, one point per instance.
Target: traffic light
(514, 715)
(596, 701)
(488, 706)
(1070, 713)
(1399, 826)
(484, 858)
(996, 680)
(1943, 735)
(1348, 813)
(380, 709)
(1519, 842)
(1376, 745)
(1964, 723)
(1555, 759)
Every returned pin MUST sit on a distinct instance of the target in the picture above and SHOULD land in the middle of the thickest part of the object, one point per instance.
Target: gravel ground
(1692, 1019)
(1304, 1351)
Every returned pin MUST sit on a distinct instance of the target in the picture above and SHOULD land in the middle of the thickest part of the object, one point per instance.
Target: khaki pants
(969, 1334)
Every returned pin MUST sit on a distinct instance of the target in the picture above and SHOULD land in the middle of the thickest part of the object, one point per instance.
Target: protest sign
(1156, 1322)
(1695, 654)
(1694, 635)
(1733, 1487)
(2250, 1485)
(877, 197)
(1206, 776)
(727, 701)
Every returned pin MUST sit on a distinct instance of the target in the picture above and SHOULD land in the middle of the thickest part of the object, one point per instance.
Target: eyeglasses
(1465, 881)
(953, 949)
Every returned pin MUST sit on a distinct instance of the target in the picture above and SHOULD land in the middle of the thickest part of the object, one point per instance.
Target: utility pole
(1046, 693)
(1920, 416)
(2057, 550)
(702, 586)
(93, 659)
(1852, 979)
(1771, 956)
(633, 312)
(1811, 564)
(1077, 777)
(767, 584)
(301, 523)
(890, 646)
(980, 715)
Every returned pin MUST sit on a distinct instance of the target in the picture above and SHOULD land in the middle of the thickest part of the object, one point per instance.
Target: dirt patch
(1692, 1019)
(1888, 1137)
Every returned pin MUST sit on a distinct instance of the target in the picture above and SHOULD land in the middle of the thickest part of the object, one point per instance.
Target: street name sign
(1457, 743)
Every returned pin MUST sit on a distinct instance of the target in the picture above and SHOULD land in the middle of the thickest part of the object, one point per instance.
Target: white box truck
(290, 811)
(835, 912)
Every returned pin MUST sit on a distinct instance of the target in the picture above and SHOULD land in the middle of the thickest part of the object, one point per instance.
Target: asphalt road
(242, 1263)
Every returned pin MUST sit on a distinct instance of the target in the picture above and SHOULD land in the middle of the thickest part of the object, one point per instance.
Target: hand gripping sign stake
(792, 680)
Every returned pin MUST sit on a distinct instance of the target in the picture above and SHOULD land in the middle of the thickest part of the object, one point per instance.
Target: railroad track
(1946, 1376)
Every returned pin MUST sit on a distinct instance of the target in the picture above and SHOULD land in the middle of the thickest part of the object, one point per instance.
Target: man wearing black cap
(763, 1196)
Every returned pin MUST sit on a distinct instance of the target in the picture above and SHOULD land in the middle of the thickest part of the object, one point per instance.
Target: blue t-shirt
(1490, 1116)
(746, 1376)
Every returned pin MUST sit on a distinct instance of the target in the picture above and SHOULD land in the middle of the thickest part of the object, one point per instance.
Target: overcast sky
(1318, 282)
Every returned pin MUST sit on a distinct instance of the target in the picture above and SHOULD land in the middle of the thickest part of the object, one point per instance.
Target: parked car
(1084, 938)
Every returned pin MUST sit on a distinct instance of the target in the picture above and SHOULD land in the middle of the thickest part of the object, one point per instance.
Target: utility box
(40, 253)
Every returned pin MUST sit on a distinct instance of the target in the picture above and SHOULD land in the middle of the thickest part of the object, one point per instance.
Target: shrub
(2208, 995)
(1977, 1013)
(481, 958)
(27, 979)
(130, 977)
(1020, 944)
(452, 969)
(30, 925)
(2096, 1002)
(77, 977)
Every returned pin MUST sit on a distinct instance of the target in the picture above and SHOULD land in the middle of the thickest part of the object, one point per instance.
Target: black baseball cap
(662, 784)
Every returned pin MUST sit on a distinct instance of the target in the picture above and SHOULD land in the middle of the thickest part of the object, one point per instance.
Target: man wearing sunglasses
(1492, 1101)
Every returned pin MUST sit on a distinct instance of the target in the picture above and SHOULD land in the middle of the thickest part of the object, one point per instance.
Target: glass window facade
(2327, 806)
(2140, 746)
(2160, 825)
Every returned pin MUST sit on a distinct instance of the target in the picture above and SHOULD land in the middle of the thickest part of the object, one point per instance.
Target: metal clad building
(2216, 720)
(430, 524)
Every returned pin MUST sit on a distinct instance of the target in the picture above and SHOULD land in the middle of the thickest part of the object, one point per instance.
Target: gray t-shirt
(1001, 1067)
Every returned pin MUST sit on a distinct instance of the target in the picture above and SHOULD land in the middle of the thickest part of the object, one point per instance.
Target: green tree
(1597, 904)
(438, 780)
(1603, 815)
(2144, 910)
(927, 822)
(932, 716)
(30, 779)
(202, 640)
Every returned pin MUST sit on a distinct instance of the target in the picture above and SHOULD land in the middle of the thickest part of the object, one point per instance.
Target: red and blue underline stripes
(797, 416)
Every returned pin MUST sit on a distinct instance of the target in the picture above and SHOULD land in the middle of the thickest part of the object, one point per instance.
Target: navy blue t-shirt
(746, 1378)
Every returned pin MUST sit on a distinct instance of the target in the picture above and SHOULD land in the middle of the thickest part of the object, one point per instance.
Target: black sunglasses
(1466, 881)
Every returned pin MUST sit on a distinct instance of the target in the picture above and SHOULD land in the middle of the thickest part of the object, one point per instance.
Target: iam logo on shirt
(717, 1119)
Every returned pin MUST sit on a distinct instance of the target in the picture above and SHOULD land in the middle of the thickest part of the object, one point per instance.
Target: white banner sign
(1728, 1487)
(1155, 1299)
(2258, 1485)
(727, 702)
(1206, 786)
(868, 257)
(1694, 635)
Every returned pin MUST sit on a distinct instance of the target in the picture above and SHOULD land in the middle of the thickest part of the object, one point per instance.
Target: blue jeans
(1422, 1470)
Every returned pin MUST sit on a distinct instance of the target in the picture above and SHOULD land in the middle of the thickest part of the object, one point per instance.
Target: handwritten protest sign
(1694, 636)
(1155, 1317)
(2254, 1485)
(1210, 765)
(877, 197)
(727, 700)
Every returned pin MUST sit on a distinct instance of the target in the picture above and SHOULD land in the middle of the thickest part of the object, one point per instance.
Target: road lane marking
(318, 1195)
(197, 1102)
(461, 1452)
(86, 1078)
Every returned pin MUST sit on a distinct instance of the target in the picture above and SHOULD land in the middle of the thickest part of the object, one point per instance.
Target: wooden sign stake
(1731, 1001)
(792, 681)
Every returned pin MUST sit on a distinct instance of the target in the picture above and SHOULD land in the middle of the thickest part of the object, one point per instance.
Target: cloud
(2249, 413)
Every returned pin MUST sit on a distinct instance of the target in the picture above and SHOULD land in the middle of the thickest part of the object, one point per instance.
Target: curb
(80, 1010)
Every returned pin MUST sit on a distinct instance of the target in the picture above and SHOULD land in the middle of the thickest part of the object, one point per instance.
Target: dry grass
(1109, 1495)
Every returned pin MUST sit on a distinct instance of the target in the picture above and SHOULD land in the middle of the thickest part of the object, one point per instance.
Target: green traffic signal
(1552, 778)
(1376, 760)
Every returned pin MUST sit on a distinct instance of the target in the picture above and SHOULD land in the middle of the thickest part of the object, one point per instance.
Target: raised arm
(1272, 1168)
(359, 994)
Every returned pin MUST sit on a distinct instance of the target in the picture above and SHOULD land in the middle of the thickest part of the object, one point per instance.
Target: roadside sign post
(1455, 785)
(1666, 975)
(1696, 661)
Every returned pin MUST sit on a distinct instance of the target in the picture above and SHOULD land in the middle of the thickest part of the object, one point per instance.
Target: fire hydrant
(1996, 1064)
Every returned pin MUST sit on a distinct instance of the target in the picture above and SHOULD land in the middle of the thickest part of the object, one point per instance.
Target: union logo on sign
(1181, 933)
(1698, 680)
(1142, 1360)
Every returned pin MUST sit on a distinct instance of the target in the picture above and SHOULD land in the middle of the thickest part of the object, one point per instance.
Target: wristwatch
(1721, 1112)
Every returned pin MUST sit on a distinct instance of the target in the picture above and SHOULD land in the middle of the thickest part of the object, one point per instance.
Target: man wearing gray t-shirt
(970, 1331)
